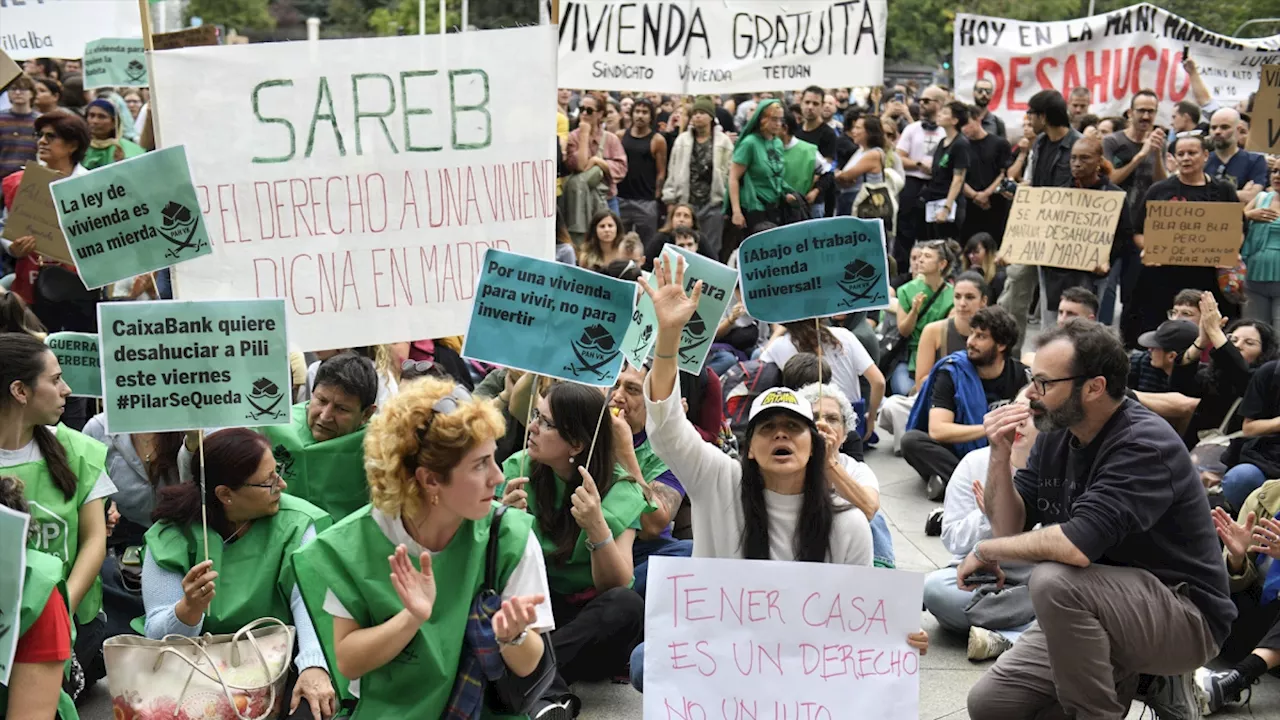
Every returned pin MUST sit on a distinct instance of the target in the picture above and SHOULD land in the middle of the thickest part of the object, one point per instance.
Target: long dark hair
(817, 510)
(231, 457)
(805, 335)
(15, 316)
(164, 466)
(22, 359)
(575, 409)
(1266, 333)
(875, 132)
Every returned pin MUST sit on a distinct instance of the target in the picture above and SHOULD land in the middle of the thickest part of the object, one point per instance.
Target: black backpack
(741, 384)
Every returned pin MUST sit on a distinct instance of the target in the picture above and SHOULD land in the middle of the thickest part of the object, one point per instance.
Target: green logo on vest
(50, 534)
(284, 461)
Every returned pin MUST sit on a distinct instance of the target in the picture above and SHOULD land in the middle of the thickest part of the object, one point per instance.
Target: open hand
(672, 306)
(1001, 424)
(515, 615)
(514, 495)
(1235, 538)
(1266, 538)
(417, 589)
(314, 686)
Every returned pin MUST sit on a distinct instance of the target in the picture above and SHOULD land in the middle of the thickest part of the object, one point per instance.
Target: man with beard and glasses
(1246, 170)
(946, 421)
(982, 93)
(1129, 579)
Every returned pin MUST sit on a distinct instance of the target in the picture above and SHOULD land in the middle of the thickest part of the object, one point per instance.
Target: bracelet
(596, 546)
(1196, 346)
(977, 553)
(660, 356)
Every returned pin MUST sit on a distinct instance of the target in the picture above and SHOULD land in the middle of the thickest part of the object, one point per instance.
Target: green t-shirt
(762, 184)
(798, 163)
(937, 311)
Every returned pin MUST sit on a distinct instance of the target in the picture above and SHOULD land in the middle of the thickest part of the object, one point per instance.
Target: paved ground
(946, 673)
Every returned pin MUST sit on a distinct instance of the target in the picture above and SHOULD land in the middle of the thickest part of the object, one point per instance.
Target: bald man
(1246, 170)
(915, 149)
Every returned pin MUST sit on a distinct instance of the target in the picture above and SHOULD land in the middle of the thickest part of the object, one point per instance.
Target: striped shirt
(17, 141)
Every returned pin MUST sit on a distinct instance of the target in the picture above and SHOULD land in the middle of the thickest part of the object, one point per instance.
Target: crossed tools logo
(594, 350)
(695, 331)
(860, 282)
(284, 460)
(135, 70)
(265, 399)
(178, 225)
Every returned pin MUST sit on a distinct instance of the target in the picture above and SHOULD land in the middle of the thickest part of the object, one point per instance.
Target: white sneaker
(986, 644)
(1175, 697)
(559, 710)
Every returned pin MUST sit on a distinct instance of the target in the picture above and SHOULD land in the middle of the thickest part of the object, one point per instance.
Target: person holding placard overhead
(411, 640)
(63, 473)
(252, 529)
(775, 503)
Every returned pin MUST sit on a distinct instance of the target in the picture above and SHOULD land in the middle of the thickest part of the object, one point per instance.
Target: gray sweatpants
(1097, 629)
(1019, 285)
(641, 216)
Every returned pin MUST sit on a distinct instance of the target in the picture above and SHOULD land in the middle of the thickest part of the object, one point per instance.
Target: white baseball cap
(782, 398)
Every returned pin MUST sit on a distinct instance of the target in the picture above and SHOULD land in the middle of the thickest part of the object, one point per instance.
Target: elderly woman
(107, 143)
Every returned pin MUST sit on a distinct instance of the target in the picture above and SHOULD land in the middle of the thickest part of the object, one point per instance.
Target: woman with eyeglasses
(404, 637)
(1261, 254)
(253, 528)
(757, 191)
(587, 513)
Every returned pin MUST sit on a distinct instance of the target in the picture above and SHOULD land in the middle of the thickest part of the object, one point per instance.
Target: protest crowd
(444, 536)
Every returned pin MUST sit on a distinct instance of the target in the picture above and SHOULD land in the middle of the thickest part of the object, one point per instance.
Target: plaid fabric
(481, 661)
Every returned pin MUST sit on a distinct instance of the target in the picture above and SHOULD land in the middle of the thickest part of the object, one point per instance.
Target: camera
(1008, 186)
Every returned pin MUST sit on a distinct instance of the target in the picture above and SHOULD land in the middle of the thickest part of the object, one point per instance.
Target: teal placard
(183, 365)
(549, 318)
(813, 269)
(131, 217)
(642, 333)
(13, 572)
(81, 361)
(717, 291)
(115, 62)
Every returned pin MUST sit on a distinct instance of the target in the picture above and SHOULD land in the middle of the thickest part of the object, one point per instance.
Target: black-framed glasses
(274, 487)
(1042, 385)
(537, 418)
(588, 111)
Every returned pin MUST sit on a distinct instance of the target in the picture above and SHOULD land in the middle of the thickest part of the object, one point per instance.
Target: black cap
(1172, 335)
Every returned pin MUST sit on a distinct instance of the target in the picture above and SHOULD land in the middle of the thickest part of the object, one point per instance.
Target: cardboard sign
(694, 47)
(1264, 131)
(717, 292)
(189, 37)
(81, 361)
(183, 365)
(34, 214)
(364, 179)
(1199, 234)
(9, 70)
(642, 333)
(61, 28)
(13, 575)
(1062, 227)
(549, 318)
(131, 217)
(813, 269)
(773, 639)
(115, 62)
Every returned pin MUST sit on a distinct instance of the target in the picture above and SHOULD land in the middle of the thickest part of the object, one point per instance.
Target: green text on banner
(549, 318)
(131, 217)
(183, 365)
(81, 361)
(813, 269)
(115, 62)
(364, 179)
(642, 333)
(780, 639)
(13, 571)
(717, 292)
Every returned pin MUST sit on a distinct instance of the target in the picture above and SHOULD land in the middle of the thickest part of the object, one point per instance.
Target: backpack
(741, 384)
(879, 200)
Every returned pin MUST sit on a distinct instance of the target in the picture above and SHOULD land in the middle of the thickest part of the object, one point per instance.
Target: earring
(573, 460)
(435, 499)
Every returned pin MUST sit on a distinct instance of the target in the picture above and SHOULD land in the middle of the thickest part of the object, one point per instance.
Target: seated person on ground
(1151, 370)
(1255, 458)
(943, 337)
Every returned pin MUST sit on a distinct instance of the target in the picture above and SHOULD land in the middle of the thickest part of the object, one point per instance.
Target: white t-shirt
(847, 364)
(860, 472)
(529, 577)
(102, 488)
(918, 144)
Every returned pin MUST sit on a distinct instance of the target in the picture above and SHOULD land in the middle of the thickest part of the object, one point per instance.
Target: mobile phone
(132, 555)
(1186, 52)
(899, 97)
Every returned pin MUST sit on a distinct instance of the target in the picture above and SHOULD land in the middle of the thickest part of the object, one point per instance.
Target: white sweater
(713, 481)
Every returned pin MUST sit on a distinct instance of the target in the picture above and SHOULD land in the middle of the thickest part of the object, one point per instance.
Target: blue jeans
(947, 602)
(642, 550)
(1240, 481)
(901, 381)
(818, 210)
(721, 360)
(613, 205)
(881, 541)
(637, 668)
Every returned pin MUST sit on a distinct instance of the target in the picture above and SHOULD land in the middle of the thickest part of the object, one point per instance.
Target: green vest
(622, 508)
(255, 578)
(350, 559)
(58, 518)
(44, 573)
(329, 474)
(797, 166)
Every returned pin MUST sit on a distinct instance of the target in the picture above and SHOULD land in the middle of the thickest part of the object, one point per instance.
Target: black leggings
(1256, 626)
(594, 641)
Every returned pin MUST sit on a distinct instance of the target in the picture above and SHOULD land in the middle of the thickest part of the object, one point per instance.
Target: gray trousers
(711, 225)
(1097, 629)
(641, 216)
(1019, 285)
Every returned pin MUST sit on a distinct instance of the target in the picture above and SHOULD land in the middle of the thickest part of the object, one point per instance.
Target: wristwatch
(596, 546)
(515, 641)
(977, 553)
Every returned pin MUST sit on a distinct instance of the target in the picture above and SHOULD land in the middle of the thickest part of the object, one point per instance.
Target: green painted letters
(257, 111)
(382, 116)
(409, 112)
(480, 107)
(323, 94)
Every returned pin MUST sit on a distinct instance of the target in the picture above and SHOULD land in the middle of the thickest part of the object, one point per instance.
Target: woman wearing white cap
(774, 503)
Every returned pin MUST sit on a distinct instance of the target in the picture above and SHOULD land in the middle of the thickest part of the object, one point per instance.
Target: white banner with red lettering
(1114, 55)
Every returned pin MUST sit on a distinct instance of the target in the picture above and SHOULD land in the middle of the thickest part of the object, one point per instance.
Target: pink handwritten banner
(765, 639)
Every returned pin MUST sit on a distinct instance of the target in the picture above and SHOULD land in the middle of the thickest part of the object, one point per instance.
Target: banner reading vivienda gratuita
(814, 269)
(131, 217)
(115, 62)
(364, 179)
(61, 28)
(81, 361)
(720, 46)
(183, 365)
(549, 318)
(717, 290)
(773, 639)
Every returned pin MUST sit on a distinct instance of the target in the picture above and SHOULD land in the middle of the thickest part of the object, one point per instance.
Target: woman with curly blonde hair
(405, 639)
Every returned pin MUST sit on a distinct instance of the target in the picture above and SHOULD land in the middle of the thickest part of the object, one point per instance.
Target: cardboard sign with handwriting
(1265, 133)
(1199, 234)
(1066, 228)
(9, 70)
(34, 214)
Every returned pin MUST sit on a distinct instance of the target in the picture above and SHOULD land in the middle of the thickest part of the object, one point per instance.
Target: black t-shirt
(1121, 151)
(824, 136)
(641, 180)
(1262, 402)
(1174, 189)
(845, 149)
(1000, 390)
(990, 157)
(947, 158)
(725, 119)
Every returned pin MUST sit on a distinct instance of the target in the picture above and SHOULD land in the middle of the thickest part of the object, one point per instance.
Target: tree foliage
(238, 14)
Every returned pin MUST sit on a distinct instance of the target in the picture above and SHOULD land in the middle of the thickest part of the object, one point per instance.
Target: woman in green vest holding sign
(44, 630)
(62, 471)
(757, 191)
(254, 528)
(586, 529)
(405, 638)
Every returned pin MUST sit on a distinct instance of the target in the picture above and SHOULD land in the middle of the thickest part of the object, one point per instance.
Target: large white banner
(1114, 55)
(363, 180)
(60, 28)
(762, 638)
(720, 46)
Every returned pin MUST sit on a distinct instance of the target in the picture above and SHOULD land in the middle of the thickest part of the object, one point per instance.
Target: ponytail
(55, 458)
